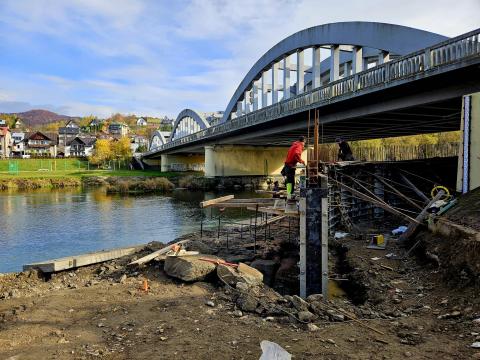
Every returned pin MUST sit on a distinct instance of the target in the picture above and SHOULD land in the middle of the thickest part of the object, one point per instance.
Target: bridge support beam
(468, 176)
(286, 77)
(191, 162)
(242, 160)
(357, 59)
(300, 71)
(335, 63)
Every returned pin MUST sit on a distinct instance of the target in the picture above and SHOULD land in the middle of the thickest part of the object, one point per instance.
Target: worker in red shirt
(294, 156)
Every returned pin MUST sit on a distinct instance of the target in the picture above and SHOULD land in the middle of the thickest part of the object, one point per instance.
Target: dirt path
(101, 312)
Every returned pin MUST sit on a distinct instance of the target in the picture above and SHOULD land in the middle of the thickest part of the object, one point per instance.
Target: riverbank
(103, 311)
(30, 180)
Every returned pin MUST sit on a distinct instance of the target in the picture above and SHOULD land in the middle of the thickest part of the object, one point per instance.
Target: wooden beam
(414, 188)
(207, 203)
(423, 214)
(71, 262)
(270, 210)
(375, 202)
(154, 254)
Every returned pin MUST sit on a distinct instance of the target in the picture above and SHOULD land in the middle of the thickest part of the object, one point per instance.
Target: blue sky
(148, 57)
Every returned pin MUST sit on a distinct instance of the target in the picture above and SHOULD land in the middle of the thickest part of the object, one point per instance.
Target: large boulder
(268, 268)
(189, 268)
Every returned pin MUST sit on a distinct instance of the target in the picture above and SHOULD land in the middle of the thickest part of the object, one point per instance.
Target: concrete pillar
(242, 160)
(264, 89)
(190, 162)
(347, 69)
(357, 59)
(468, 170)
(300, 71)
(286, 77)
(246, 101)
(316, 82)
(275, 83)
(314, 240)
(334, 62)
(239, 108)
(383, 57)
(255, 95)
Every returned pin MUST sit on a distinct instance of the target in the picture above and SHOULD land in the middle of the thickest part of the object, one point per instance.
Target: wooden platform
(75, 261)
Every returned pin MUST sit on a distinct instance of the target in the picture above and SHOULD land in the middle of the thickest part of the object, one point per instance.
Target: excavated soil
(102, 312)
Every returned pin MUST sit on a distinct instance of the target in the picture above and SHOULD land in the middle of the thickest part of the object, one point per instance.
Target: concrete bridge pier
(468, 175)
(188, 162)
(244, 160)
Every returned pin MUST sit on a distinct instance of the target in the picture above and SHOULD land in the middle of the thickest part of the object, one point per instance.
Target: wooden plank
(375, 202)
(71, 262)
(270, 210)
(414, 188)
(423, 214)
(207, 203)
(154, 254)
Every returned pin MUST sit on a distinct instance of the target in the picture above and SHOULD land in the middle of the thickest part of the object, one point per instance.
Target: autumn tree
(121, 149)
(102, 152)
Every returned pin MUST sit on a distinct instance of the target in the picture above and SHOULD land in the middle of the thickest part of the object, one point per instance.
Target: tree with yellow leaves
(102, 152)
(121, 149)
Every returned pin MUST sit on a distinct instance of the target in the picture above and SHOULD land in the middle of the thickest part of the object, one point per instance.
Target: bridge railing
(450, 51)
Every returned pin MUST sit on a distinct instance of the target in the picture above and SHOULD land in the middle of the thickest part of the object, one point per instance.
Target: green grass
(62, 168)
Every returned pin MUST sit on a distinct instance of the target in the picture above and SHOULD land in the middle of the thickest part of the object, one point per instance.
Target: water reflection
(40, 225)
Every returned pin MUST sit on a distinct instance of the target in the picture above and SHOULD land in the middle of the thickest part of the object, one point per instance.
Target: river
(41, 225)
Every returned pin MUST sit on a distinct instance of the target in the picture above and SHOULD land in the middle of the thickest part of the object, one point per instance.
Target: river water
(42, 225)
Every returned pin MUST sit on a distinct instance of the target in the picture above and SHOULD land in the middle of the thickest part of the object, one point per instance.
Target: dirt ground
(101, 312)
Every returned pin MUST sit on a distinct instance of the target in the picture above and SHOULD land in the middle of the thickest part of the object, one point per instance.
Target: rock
(299, 304)
(314, 297)
(476, 356)
(475, 345)
(237, 313)
(243, 273)
(210, 303)
(122, 279)
(312, 327)
(247, 303)
(338, 317)
(331, 341)
(268, 268)
(201, 247)
(476, 321)
(306, 316)
(189, 268)
(407, 354)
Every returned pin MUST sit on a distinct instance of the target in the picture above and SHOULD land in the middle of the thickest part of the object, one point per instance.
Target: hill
(41, 117)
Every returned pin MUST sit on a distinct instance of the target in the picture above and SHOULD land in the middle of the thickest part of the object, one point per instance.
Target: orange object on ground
(145, 286)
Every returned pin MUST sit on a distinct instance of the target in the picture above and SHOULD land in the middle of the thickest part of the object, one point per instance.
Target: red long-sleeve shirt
(294, 154)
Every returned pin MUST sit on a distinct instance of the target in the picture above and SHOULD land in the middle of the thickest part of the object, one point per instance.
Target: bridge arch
(188, 122)
(353, 47)
(157, 139)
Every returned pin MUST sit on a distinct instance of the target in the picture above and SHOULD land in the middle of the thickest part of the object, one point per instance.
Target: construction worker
(294, 156)
(344, 151)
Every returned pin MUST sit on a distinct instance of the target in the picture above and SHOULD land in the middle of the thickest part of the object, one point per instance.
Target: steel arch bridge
(344, 69)
(351, 46)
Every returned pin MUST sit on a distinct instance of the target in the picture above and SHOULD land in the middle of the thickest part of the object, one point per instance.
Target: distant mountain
(41, 117)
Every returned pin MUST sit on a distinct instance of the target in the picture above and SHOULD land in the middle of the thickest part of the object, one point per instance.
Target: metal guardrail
(445, 53)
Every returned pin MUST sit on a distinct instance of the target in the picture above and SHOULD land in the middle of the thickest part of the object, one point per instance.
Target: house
(118, 129)
(138, 141)
(71, 124)
(18, 124)
(3, 123)
(67, 133)
(5, 139)
(18, 143)
(167, 121)
(142, 122)
(79, 146)
(40, 144)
